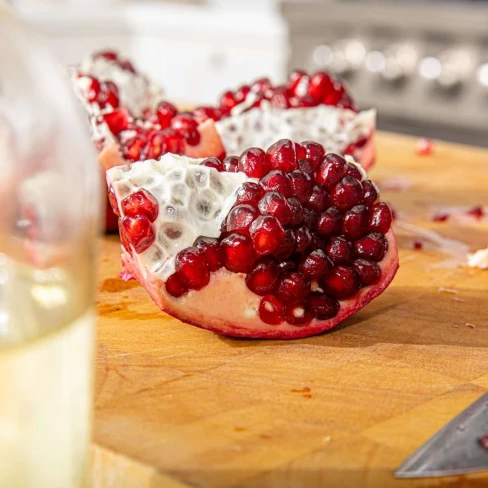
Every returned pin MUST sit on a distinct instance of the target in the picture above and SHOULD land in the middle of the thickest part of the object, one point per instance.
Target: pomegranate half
(283, 243)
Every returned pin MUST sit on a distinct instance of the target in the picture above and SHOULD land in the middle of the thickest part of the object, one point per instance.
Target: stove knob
(342, 58)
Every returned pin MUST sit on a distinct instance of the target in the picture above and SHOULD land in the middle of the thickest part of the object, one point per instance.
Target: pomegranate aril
(424, 146)
(253, 162)
(314, 152)
(315, 265)
(372, 247)
(295, 78)
(286, 266)
(113, 201)
(242, 93)
(319, 199)
(263, 278)
(322, 306)
(293, 287)
(331, 170)
(93, 90)
(211, 250)
(124, 238)
(342, 282)
(271, 310)
(132, 149)
(192, 268)
(127, 65)
(280, 98)
(141, 203)
(380, 218)
(204, 113)
(275, 204)
(165, 113)
(352, 170)
(155, 145)
(228, 101)
(371, 192)
(109, 94)
(320, 85)
(240, 219)
(311, 218)
(175, 286)
(339, 250)
(368, 271)
(281, 155)
(248, 192)
(213, 163)
(333, 97)
(297, 212)
(139, 232)
(306, 167)
(286, 247)
(303, 238)
(187, 126)
(306, 102)
(299, 151)
(261, 86)
(230, 164)
(108, 55)
(297, 314)
(276, 181)
(301, 185)
(330, 222)
(238, 253)
(298, 83)
(173, 141)
(266, 233)
(347, 193)
(356, 222)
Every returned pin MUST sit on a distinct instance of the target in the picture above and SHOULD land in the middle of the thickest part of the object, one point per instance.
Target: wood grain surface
(176, 406)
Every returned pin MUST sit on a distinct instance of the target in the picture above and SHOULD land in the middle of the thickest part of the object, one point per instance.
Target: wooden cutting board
(176, 406)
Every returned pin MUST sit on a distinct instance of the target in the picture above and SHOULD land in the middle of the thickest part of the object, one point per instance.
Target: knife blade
(458, 448)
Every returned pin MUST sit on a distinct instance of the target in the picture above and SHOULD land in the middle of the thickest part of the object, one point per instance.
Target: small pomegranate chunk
(238, 253)
(296, 314)
(249, 192)
(297, 212)
(286, 247)
(368, 271)
(417, 245)
(187, 126)
(424, 147)
(331, 171)
(339, 250)
(371, 192)
(347, 193)
(275, 204)
(380, 218)
(253, 162)
(372, 247)
(263, 278)
(141, 203)
(329, 222)
(342, 282)
(356, 222)
(322, 306)
(281, 155)
(175, 286)
(210, 248)
(315, 265)
(213, 163)
(266, 234)
(139, 232)
(173, 141)
(320, 85)
(293, 287)
(240, 219)
(231, 163)
(301, 185)
(271, 311)
(277, 181)
(133, 148)
(166, 112)
(192, 268)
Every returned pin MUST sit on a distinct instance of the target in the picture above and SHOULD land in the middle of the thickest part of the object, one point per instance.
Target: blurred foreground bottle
(49, 220)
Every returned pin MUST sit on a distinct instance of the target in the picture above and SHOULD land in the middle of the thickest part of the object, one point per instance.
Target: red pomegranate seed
(250, 193)
(108, 55)
(294, 79)
(331, 170)
(314, 152)
(339, 250)
(127, 65)
(333, 97)
(441, 217)
(266, 234)
(238, 253)
(322, 306)
(297, 212)
(263, 278)
(253, 162)
(113, 201)
(315, 264)
(372, 247)
(155, 145)
(476, 212)
(306, 167)
(139, 232)
(275, 204)
(281, 155)
(347, 193)
(371, 192)
(211, 250)
(356, 222)
(230, 164)
(299, 315)
(280, 98)
(417, 245)
(424, 147)
(242, 93)
(271, 311)
(352, 170)
(303, 238)
(347, 102)
(301, 185)
(286, 247)
(228, 101)
(240, 219)
(109, 94)
(141, 203)
(329, 222)
(287, 266)
(277, 181)
(293, 287)
(261, 86)
(192, 268)
(380, 218)
(299, 151)
(311, 218)
(319, 199)
(320, 85)
(166, 112)
(173, 142)
(133, 148)
(342, 282)
(187, 126)
(204, 113)
(213, 163)
(124, 238)
(175, 286)
(93, 91)
(368, 272)
(306, 102)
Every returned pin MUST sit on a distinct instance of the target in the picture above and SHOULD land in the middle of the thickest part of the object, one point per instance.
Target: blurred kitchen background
(423, 64)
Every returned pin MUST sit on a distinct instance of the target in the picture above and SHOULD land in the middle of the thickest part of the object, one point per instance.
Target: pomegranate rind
(228, 307)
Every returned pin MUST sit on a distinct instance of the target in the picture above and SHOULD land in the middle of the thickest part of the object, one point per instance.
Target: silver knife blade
(455, 449)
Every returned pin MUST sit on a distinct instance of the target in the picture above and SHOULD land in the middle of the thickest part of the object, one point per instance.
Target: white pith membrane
(225, 305)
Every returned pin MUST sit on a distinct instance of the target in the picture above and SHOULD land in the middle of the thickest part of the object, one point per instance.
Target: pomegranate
(220, 245)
